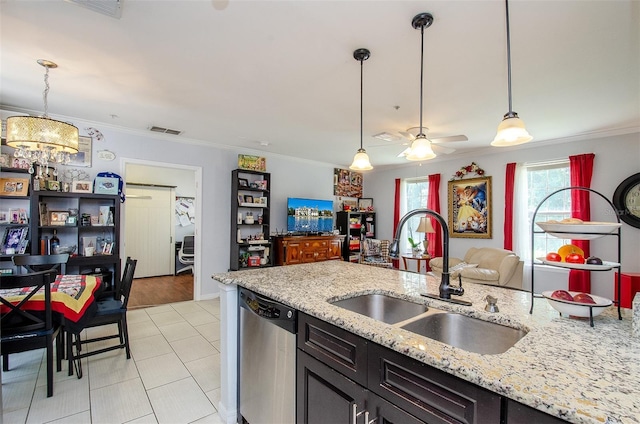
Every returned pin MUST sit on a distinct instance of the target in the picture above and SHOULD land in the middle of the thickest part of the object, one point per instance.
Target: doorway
(156, 179)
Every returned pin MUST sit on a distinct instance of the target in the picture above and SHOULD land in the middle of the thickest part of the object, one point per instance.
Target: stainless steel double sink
(454, 329)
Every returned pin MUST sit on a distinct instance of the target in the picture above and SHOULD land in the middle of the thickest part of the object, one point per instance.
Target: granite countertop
(562, 366)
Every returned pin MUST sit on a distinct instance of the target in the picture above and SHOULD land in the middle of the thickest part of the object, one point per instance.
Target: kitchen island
(562, 367)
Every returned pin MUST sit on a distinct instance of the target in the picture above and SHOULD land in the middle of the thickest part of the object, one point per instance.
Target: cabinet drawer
(429, 393)
(343, 351)
(315, 244)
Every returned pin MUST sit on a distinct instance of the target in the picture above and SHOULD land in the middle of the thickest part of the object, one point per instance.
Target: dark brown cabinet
(291, 250)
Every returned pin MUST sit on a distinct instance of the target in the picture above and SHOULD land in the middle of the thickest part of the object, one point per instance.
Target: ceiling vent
(165, 130)
(111, 8)
(386, 137)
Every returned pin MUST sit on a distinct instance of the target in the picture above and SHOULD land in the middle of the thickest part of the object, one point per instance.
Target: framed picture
(243, 182)
(252, 163)
(248, 199)
(81, 186)
(72, 220)
(53, 185)
(261, 184)
(20, 163)
(14, 240)
(365, 203)
(14, 187)
(106, 185)
(58, 217)
(18, 216)
(240, 199)
(83, 157)
(4, 217)
(262, 201)
(469, 208)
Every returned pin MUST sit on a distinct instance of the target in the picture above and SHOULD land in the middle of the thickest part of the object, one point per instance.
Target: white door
(149, 229)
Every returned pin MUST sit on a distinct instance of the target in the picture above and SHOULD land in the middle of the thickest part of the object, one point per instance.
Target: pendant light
(511, 130)
(361, 159)
(421, 147)
(42, 140)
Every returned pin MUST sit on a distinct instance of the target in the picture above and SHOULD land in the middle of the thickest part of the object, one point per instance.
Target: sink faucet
(445, 289)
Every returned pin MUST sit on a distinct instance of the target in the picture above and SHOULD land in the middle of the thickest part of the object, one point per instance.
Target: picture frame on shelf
(243, 182)
(58, 218)
(248, 199)
(262, 201)
(4, 217)
(365, 203)
(72, 220)
(18, 187)
(81, 186)
(53, 185)
(18, 216)
(83, 157)
(106, 185)
(20, 163)
(261, 184)
(240, 199)
(470, 214)
(13, 240)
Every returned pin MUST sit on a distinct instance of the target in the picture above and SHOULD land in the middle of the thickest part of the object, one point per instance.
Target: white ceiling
(282, 73)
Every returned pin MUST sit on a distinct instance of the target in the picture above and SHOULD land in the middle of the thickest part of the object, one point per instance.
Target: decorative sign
(106, 155)
(252, 163)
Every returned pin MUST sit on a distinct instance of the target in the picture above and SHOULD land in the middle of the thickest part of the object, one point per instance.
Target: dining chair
(35, 263)
(187, 254)
(27, 327)
(110, 311)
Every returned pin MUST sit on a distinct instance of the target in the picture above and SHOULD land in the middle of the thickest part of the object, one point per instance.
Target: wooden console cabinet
(291, 250)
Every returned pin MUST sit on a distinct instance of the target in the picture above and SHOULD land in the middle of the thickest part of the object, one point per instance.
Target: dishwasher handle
(281, 315)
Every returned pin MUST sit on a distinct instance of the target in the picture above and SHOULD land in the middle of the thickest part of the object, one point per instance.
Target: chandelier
(42, 140)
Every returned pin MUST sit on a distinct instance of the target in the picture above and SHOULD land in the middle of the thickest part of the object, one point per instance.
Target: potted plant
(416, 250)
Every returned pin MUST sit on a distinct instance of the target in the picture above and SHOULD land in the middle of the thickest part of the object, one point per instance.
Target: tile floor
(172, 377)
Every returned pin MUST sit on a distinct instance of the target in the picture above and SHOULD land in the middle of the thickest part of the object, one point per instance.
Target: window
(415, 193)
(542, 179)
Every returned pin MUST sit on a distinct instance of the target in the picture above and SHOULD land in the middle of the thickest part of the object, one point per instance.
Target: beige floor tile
(120, 402)
(21, 364)
(147, 419)
(158, 309)
(161, 370)
(187, 307)
(142, 329)
(177, 331)
(193, 348)
(15, 417)
(210, 331)
(148, 347)
(111, 368)
(211, 305)
(80, 418)
(69, 397)
(200, 317)
(214, 397)
(206, 372)
(210, 419)
(166, 318)
(180, 402)
(137, 315)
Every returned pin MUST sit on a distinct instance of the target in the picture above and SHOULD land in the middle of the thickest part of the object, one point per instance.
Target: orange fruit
(568, 249)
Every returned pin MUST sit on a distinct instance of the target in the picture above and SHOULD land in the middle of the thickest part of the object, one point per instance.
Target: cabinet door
(383, 412)
(518, 413)
(292, 253)
(325, 396)
(315, 250)
(335, 249)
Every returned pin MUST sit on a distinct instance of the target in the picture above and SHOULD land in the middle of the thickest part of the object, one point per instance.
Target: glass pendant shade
(421, 149)
(511, 132)
(361, 161)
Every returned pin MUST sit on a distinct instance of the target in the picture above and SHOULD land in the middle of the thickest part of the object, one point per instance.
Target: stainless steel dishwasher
(267, 360)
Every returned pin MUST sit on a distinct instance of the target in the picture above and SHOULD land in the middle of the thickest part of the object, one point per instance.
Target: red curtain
(581, 171)
(396, 215)
(509, 183)
(433, 203)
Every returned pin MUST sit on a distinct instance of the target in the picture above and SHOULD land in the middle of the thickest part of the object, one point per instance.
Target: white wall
(616, 158)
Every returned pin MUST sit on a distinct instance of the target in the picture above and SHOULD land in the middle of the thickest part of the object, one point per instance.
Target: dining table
(73, 301)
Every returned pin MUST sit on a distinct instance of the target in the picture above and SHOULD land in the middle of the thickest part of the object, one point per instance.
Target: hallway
(153, 291)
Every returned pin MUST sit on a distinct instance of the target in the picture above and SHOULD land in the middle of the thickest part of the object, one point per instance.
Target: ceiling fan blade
(441, 149)
(449, 139)
(407, 135)
(405, 152)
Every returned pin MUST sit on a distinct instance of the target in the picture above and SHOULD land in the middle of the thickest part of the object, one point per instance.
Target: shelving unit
(15, 203)
(573, 235)
(251, 246)
(355, 226)
(106, 231)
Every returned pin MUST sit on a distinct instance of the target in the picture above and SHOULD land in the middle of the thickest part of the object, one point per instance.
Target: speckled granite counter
(562, 366)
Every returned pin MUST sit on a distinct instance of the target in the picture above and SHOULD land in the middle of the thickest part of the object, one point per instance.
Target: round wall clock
(626, 199)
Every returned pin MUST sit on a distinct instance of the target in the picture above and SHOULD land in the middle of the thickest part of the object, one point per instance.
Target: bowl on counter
(578, 309)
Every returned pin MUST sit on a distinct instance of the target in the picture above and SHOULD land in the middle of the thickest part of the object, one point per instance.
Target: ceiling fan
(411, 133)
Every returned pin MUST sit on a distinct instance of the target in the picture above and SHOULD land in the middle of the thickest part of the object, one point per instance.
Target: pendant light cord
(508, 58)
(361, 99)
(421, 73)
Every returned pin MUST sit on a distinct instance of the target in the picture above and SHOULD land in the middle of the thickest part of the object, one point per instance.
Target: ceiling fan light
(361, 161)
(421, 149)
(511, 132)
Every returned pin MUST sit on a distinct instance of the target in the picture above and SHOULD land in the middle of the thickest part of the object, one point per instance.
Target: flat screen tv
(309, 215)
